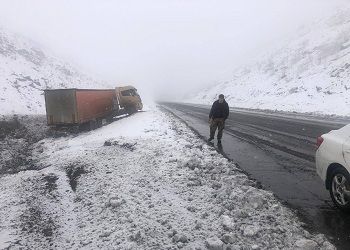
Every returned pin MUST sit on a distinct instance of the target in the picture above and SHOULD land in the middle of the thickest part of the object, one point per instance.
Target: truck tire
(131, 110)
(92, 124)
(109, 119)
(98, 122)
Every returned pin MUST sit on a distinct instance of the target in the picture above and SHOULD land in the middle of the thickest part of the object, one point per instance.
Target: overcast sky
(167, 47)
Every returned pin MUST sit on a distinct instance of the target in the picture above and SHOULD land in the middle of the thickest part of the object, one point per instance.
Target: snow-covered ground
(142, 182)
(308, 73)
(26, 69)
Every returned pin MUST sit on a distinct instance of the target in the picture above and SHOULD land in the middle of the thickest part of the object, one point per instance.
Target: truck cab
(129, 99)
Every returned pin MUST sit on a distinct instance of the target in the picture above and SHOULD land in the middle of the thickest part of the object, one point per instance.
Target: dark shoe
(219, 142)
(210, 139)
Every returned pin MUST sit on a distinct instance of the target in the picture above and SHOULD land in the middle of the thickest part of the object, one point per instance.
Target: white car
(333, 165)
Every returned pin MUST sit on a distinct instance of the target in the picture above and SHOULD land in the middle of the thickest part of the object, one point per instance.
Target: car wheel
(340, 189)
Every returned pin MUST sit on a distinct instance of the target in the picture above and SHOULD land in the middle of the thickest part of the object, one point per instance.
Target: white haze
(167, 48)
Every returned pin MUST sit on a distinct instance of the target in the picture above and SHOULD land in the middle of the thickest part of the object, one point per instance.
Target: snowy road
(278, 151)
(142, 182)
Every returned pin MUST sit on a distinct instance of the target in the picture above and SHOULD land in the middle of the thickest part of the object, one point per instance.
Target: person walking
(217, 116)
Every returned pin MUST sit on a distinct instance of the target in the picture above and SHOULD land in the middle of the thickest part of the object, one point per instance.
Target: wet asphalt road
(278, 151)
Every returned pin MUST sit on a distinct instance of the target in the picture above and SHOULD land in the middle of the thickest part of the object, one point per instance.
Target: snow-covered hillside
(25, 70)
(309, 74)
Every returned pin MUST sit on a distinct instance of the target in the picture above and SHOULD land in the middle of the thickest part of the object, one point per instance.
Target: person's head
(221, 98)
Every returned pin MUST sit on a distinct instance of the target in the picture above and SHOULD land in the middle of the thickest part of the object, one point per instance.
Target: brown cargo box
(78, 106)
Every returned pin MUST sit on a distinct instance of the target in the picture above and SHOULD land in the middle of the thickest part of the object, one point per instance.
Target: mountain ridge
(26, 69)
(310, 74)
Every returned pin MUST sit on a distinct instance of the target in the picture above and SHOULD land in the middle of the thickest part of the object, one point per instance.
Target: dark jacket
(219, 110)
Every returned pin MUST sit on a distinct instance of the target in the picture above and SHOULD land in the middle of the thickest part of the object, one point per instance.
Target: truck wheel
(98, 122)
(109, 119)
(92, 124)
(340, 189)
(131, 110)
(75, 129)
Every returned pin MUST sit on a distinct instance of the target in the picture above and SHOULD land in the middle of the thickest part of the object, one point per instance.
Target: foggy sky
(166, 48)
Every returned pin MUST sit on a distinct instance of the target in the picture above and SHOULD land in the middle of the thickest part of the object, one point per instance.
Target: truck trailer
(78, 107)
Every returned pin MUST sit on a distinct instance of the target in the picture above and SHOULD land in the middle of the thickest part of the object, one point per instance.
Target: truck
(89, 107)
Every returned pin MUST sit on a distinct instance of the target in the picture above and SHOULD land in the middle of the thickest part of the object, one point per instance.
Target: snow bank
(143, 182)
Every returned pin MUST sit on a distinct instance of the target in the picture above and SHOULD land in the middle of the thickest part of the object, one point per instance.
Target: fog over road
(277, 149)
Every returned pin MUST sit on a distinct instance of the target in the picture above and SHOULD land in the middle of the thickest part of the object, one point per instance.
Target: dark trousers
(217, 123)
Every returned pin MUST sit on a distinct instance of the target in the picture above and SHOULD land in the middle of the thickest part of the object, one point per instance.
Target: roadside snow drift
(143, 182)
